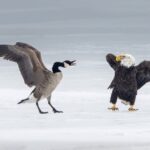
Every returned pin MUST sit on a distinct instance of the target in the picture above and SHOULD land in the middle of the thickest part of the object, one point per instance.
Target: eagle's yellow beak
(119, 58)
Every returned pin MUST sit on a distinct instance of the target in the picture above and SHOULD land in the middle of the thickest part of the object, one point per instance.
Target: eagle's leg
(113, 100)
(131, 108)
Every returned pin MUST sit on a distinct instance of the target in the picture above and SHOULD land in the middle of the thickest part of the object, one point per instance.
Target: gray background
(43, 22)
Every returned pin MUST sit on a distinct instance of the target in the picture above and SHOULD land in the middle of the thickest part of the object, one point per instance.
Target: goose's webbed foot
(43, 112)
(57, 111)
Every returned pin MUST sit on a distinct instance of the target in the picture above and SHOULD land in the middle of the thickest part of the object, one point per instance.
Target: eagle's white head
(126, 60)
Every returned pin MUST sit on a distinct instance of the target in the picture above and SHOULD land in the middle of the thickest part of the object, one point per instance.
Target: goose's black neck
(56, 66)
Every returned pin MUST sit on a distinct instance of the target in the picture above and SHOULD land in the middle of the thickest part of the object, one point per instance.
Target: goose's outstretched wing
(28, 62)
(111, 59)
(26, 46)
(143, 73)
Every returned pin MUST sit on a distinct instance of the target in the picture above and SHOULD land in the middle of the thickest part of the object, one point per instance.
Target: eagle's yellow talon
(133, 109)
(113, 108)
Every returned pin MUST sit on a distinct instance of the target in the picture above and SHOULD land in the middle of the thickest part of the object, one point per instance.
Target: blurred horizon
(46, 23)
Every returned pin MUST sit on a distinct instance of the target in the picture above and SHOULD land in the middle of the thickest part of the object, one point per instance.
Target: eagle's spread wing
(28, 62)
(143, 73)
(111, 59)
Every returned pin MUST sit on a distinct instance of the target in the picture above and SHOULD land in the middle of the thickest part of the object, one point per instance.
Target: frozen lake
(83, 96)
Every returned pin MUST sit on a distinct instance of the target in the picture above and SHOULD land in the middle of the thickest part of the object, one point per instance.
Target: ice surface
(83, 96)
(70, 29)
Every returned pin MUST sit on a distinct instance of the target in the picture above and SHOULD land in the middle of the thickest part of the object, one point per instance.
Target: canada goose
(34, 71)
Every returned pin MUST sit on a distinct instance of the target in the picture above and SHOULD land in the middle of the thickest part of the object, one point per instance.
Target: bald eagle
(128, 79)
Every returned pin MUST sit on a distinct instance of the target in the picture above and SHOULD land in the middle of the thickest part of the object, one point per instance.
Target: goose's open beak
(73, 63)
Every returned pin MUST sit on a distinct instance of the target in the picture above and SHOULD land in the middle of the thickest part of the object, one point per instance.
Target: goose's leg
(40, 111)
(26, 99)
(54, 109)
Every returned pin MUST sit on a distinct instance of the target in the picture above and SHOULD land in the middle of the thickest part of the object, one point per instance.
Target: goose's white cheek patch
(66, 65)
